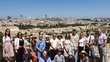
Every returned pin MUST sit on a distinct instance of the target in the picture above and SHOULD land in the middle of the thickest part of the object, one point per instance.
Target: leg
(104, 54)
(27, 58)
(75, 54)
(92, 53)
(100, 52)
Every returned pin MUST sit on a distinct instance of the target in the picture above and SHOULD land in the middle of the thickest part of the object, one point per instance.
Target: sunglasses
(7, 31)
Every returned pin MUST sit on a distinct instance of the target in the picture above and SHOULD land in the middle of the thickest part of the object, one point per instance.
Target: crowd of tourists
(58, 47)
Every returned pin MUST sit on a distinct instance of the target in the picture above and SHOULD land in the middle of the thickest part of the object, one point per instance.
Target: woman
(44, 57)
(40, 46)
(67, 45)
(8, 51)
(48, 44)
(20, 47)
(81, 43)
(27, 56)
(33, 48)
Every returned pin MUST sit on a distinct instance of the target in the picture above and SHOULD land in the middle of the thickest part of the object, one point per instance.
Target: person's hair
(18, 34)
(67, 37)
(74, 30)
(82, 56)
(60, 35)
(43, 52)
(87, 30)
(6, 33)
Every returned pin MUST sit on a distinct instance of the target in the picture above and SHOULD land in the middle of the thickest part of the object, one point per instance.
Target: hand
(26, 52)
(55, 49)
(5, 51)
(16, 51)
(40, 50)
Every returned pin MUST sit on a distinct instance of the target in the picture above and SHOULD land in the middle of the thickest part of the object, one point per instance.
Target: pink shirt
(102, 38)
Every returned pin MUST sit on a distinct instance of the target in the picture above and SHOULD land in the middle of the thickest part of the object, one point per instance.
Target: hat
(34, 37)
(83, 52)
(47, 36)
(70, 53)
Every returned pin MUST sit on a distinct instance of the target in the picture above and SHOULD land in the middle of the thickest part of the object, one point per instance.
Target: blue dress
(41, 45)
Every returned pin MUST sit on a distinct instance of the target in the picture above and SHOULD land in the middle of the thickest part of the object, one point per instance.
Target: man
(102, 40)
(89, 44)
(74, 40)
(40, 46)
(53, 48)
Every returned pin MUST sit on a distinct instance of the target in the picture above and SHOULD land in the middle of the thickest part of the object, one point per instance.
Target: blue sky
(55, 8)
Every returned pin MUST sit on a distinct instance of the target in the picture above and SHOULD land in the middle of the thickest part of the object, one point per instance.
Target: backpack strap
(90, 39)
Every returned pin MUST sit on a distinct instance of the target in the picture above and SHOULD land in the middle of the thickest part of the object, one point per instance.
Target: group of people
(70, 47)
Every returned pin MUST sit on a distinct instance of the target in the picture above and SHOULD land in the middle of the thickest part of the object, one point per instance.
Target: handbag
(33, 55)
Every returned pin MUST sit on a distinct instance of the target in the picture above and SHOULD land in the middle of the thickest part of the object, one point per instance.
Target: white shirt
(74, 40)
(60, 43)
(89, 38)
(6, 39)
(82, 42)
(53, 43)
(16, 42)
(102, 38)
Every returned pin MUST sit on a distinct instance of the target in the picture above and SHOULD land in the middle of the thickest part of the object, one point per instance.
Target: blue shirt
(41, 44)
(45, 60)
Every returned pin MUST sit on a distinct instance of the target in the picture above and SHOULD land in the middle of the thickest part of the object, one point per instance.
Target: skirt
(8, 50)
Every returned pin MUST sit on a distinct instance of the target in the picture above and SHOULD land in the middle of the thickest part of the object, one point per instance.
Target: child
(83, 56)
(59, 57)
(70, 58)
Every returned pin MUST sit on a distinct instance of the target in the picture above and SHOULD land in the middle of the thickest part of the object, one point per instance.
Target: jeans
(76, 55)
(102, 53)
(92, 53)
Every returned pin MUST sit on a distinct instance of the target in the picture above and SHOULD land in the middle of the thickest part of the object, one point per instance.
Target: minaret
(46, 16)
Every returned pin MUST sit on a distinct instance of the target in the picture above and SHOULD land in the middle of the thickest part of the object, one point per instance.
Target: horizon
(56, 8)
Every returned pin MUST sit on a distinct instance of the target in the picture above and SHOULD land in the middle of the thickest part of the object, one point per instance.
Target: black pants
(20, 55)
(28, 56)
(87, 50)
(79, 51)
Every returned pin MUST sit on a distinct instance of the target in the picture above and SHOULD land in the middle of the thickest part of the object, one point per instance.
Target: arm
(80, 60)
(3, 39)
(40, 60)
(92, 40)
(25, 45)
(49, 60)
(37, 43)
(55, 59)
(16, 44)
(105, 40)
(44, 45)
(85, 43)
(63, 59)
(87, 59)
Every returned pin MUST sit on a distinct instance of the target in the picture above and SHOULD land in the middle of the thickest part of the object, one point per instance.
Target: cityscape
(54, 31)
